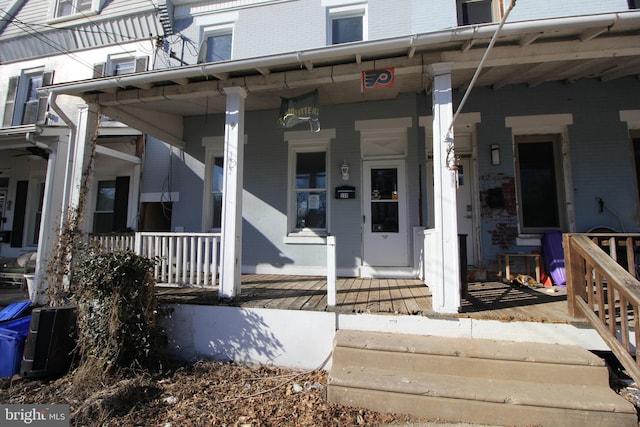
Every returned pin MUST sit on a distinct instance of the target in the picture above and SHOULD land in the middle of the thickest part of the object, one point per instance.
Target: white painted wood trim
(538, 124)
(632, 117)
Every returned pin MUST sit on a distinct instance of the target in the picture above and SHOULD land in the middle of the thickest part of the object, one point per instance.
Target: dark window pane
(102, 222)
(476, 12)
(218, 47)
(384, 217)
(311, 209)
(384, 184)
(311, 170)
(538, 186)
(346, 30)
(217, 210)
(106, 196)
(218, 174)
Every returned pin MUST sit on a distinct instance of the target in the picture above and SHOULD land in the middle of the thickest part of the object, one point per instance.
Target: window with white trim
(634, 4)
(308, 182)
(111, 208)
(539, 180)
(347, 24)
(24, 105)
(217, 43)
(38, 213)
(61, 10)
(117, 65)
(478, 11)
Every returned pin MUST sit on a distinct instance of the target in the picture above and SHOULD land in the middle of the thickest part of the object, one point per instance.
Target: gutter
(458, 34)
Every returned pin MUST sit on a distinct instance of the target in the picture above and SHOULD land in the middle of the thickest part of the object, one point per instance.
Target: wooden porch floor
(485, 300)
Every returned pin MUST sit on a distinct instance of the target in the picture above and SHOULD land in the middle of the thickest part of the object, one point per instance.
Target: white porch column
(87, 126)
(446, 284)
(51, 206)
(231, 245)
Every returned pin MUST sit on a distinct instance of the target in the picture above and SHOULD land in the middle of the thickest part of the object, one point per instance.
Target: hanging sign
(301, 109)
(377, 79)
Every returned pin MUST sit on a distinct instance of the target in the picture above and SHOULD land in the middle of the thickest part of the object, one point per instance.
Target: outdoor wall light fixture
(495, 154)
(345, 171)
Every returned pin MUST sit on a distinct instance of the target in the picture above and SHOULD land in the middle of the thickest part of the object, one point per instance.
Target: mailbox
(345, 192)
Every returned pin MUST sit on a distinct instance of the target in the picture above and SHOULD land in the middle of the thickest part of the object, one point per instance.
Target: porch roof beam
(441, 40)
(100, 149)
(166, 127)
(557, 51)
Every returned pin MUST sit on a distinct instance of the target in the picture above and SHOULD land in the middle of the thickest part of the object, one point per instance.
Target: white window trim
(547, 124)
(374, 131)
(631, 117)
(217, 30)
(348, 11)
(114, 59)
(214, 147)
(304, 141)
(96, 7)
(22, 94)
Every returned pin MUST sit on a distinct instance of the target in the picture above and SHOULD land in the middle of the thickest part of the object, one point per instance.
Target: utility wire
(42, 37)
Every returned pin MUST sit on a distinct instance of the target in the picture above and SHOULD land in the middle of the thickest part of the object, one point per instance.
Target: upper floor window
(71, 7)
(24, 105)
(347, 24)
(478, 11)
(634, 4)
(118, 65)
(216, 44)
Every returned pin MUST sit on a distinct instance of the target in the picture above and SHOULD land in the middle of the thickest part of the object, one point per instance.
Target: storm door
(385, 238)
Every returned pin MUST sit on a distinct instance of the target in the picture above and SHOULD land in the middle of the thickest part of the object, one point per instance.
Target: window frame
(556, 140)
(306, 142)
(496, 11)
(54, 7)
(210, 31)
(214, 148)
(95, 203)
(344, 12)
(18, 97)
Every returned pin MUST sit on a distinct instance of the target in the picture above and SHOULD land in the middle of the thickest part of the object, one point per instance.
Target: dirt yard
(200, 394)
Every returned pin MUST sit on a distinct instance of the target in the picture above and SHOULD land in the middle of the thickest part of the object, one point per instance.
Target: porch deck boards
(485, 300)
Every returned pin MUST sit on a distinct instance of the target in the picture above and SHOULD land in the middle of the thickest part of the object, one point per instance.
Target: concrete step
(527, 362)
(475, 381)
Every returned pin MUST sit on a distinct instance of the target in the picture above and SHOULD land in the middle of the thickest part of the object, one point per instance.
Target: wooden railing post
(574, 270)
(331, 271)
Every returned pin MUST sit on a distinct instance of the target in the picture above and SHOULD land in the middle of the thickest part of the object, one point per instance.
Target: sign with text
(34, 415)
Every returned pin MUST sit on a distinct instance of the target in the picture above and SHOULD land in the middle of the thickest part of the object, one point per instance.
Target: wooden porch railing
(601, 288)
(186, 259)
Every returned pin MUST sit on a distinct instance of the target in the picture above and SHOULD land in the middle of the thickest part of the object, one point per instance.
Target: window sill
(529, 240)
(305, 239)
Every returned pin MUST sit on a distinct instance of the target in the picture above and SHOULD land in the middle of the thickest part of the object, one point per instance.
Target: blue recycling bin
(13, 335)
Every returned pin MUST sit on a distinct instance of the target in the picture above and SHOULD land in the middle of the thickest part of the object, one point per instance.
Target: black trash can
(50, 343)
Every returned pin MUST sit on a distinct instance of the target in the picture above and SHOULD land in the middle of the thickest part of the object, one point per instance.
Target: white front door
(385, 236)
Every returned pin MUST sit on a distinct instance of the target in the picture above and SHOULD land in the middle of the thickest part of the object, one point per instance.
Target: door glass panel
(538, 185)
(384, 200)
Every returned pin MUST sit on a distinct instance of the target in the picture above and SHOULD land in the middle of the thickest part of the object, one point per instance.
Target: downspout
(53, 98)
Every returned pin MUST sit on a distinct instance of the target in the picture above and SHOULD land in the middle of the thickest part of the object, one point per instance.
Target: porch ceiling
(606, 47)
